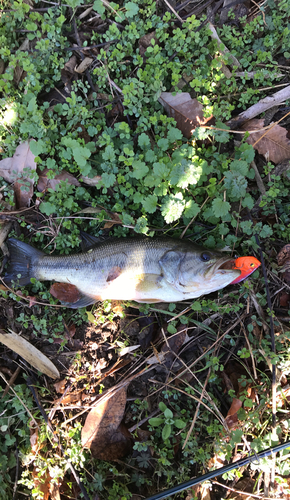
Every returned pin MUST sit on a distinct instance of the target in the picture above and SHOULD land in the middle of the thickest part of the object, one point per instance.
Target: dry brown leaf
(71, 64)
(85, 64)
(54, 491)
(60, 386)
(235, 406)
(284, 299)
(201, 492)
(187, 112)
(19, 72)
(42, 482)
(34, 441)
(283, 259)
(4, 231)
(71, 399)
(91, 181)
(17, 167)
(101, 432)
(65, 292)
(275, 145)
(32, 355)
(115, 220)
(145, 42)
(245, 485)
(284, 255)
(45, 183)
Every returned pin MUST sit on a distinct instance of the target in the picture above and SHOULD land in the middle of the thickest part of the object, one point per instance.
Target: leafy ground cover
(146, 117)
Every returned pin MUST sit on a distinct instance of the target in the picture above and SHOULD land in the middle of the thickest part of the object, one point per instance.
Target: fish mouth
(224, 265)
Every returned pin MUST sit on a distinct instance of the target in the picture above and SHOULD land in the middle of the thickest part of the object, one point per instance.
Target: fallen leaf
(65, 292)
(5, 228)
(34, 441)
(232, 416)
(245, 485)
(71, 64)
(91, 181)
(44, 183)
(145, 42)
(284, 255)
(201, 492)
(19, 72)
(54, 491)
(274, 145)
(32, 300)
(85, 64)
(102, 433)
(60, 386)
(71, 399)
(128, 349)
(32, 355)
(187, 112)
(16, 170)
(284, 299)
(115, 220)
(42, 481)
(283, 259)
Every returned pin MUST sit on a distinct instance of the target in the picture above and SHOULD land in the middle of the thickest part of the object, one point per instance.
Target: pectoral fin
(169, 264)
(148, 283)
(84, 301)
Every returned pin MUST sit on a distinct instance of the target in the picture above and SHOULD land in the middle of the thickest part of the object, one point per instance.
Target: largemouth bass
(142, 269)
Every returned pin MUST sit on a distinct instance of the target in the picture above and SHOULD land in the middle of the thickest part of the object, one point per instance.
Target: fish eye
(205, 257)
(252, 264)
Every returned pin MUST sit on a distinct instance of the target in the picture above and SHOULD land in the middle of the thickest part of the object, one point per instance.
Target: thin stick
(197, 409)
(23, 404)
(244, 492)
(174, 11)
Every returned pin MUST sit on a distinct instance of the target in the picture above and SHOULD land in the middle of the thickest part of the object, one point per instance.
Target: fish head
(205, 271)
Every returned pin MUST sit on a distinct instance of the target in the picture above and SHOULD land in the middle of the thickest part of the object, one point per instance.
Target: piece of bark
(258, 108)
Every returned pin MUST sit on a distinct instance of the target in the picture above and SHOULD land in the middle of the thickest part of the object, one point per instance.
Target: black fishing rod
(254, 458)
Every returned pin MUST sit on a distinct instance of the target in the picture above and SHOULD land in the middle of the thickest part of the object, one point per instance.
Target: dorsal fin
(88, 241)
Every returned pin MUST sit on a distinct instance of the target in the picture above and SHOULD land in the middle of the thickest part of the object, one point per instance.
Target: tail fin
(23, 258)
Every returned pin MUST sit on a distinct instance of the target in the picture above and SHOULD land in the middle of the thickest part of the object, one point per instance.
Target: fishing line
(254, 459)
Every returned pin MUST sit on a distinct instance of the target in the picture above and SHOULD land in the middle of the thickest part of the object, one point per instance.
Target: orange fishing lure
(247, 265)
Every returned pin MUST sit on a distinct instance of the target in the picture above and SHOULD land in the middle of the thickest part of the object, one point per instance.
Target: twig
(259, 180)
(16, 473)
(244, 492)
(221, 419)
(251, 351)
(23, 404)
(264, 104)
(272, 126)
(174, 11)
(11, 381)
(225, 51)
(197, 409)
